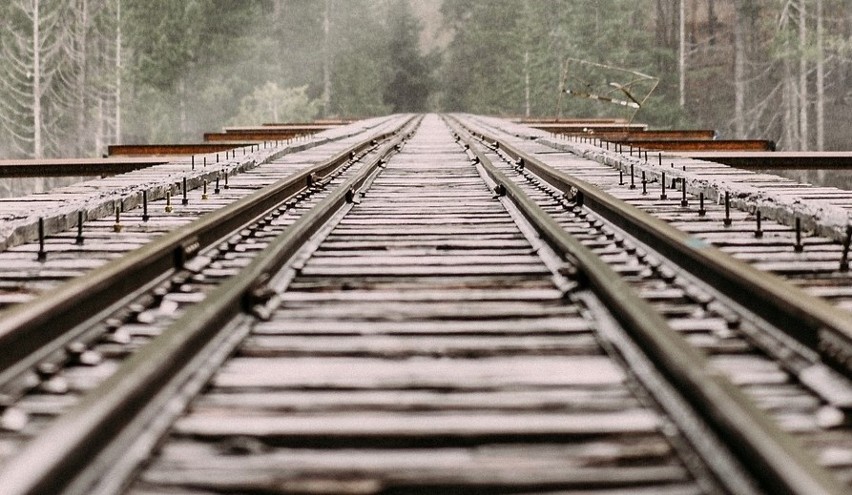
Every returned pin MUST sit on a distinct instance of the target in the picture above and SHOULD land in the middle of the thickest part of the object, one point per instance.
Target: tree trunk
(527, 83)
(803, 78)
(820, 80)
(184, 130)
(739, 70)
(118, 71)
(790, 123)
(711, 20)
(99, 135)
(326, 60)
(38, 150)
(82, 42)
(681, 65)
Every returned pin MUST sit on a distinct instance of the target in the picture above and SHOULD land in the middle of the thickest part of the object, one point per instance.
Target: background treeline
(76, 75)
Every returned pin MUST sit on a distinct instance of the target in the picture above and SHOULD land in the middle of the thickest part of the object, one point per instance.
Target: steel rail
(811, 321)
(30, 332)
(60, 454)
(772, 456)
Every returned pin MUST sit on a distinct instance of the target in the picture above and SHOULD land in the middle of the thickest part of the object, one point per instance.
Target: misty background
(77, 75)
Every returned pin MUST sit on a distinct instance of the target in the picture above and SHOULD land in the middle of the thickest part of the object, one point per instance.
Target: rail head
(771, 455)
(29, 332)
(808, 319)
(60, 456)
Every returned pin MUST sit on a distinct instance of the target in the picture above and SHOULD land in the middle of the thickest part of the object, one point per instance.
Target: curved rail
(772, 456)
(33, 331)
(66, 454)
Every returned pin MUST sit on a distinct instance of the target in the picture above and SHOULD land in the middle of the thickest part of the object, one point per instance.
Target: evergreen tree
(409, 81)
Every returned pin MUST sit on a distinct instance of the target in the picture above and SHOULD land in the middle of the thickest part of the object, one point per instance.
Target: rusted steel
(278, 127)
(777, 160)
(171, 149)
(651, 135)
(325, 122)
(700, 145)
(73, 167)
(255, 135)
(570, 120)
(589, 128)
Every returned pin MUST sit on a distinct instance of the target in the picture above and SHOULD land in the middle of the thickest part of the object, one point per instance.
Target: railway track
(95, 237)
(435, 318)
(71, 339)
(768, 328)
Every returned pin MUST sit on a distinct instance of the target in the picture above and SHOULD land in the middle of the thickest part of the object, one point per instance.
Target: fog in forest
(113, 71)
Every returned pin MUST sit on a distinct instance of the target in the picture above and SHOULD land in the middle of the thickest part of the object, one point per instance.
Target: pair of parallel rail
(325, 246)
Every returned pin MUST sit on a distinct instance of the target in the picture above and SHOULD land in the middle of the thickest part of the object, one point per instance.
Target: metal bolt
(758, 232)
(204, 191)
(226, 180)
(632, 178)
(798, 247)
(216, 189)
(644, 184)
(727, 220)
(42, 255)
(663, 184)
(701, 210)
(185, 200)
(646, 156)
(683, 201)
(145, 206)
(217, 157)
(193, 162)
(79, 239)
(169, 207)
(204, 164)
(117, 227)
(620, 177)
(844, 259)
(660, 158)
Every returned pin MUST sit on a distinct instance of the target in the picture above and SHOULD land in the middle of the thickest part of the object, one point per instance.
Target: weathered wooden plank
(354, 471)
(397, 347)
(320, 325)
(450, 374)
(344, 428)
(591, 398)
(465, 310)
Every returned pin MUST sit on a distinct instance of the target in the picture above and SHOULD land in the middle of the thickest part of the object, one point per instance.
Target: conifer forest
(77, 75)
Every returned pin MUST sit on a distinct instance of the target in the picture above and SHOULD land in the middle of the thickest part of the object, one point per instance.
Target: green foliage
(271, 103)
(192, 66)
(409, 82)
(503, 49)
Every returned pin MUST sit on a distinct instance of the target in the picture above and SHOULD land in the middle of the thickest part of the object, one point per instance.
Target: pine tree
(410, 79)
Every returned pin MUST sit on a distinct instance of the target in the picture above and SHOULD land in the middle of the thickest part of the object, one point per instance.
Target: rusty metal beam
(589, 128)
(325, 122)
(73, 167)
(171, 149)
(701, 145)
(777, 160)
(651, 135)
(259, 135)
(303, 128)
(572, 120)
